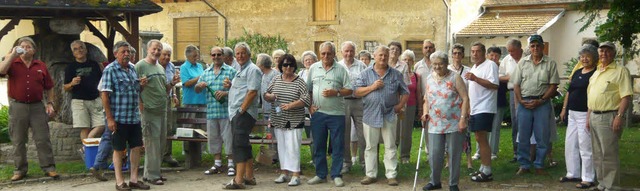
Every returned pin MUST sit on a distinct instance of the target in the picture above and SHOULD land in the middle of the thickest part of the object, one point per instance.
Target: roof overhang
(512, 23)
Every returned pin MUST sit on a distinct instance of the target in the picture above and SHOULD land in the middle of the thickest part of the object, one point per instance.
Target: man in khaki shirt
(535, 82)
(608, 96)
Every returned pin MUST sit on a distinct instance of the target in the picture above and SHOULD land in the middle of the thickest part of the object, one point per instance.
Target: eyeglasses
(457, 53)
(219, 54)
(288, 65)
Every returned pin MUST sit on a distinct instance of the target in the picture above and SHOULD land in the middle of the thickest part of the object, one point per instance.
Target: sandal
(233, 185)
(474, 173)
(231, 171)
(567, 179)
(482, 177)
(213, 170)
(585, 185)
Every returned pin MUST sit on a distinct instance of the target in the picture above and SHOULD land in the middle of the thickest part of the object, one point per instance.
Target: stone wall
(65, 142)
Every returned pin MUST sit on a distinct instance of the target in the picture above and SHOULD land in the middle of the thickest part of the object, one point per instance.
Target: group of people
(352, 103)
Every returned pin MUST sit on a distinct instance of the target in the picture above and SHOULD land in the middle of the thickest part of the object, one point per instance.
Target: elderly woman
(446, 109)
(415, 100)
(277, 56)
(289, 94)
(365, 56)
(308, 58)
(577, 151)
(394, 60)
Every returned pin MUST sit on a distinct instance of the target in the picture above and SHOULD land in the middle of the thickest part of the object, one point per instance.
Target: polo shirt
(481, 99)
(248, 78)
(319, 79)
(154, 94)
(535, 79)
(354, 70)
(607, 87)
(124, 92)
(378, 104)
(28, 84)
(215, 82)
(189, 71)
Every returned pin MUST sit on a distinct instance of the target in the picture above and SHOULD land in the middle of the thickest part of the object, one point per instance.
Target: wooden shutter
(208, 36)
(187, 31)
(324, 10)
(416, 47)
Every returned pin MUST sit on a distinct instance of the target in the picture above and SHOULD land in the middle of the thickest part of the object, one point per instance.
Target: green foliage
(622, 24)
(122, 3)
(258, 43)
(4, 124)
(558, 101)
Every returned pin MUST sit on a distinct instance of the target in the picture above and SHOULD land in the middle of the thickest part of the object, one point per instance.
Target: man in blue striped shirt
(384, 95)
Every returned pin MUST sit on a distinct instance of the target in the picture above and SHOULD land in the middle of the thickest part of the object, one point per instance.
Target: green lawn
(503, 170)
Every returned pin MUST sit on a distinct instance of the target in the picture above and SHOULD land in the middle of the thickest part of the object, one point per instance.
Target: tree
(622, 24)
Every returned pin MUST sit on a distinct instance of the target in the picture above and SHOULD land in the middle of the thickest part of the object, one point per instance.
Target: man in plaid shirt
(120, 92)
(218, 128)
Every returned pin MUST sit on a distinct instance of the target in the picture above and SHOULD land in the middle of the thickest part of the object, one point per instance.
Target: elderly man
(423, 69)
(120, 92)
(508, 65)
(153, 107)
(328, 82)
(81, 78)
(608, 96)
(243, 112)
(483, 99)
(218, 129)
(535, 82)
(384, 95)
(353, 106)
(173, 77)
(190, 72)
(28, 81)
(229, 59)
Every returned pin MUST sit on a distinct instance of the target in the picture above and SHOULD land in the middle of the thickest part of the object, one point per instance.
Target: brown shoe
(139, 185)
(17, 177)
(522, 171)
(392, 182)
(52, 174)
(367, 180)
(123, 187)
(540, 171)
(97, 174)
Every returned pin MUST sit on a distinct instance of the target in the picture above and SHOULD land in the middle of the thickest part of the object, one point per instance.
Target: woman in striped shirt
(288, 94)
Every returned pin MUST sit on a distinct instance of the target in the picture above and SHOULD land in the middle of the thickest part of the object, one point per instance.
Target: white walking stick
(415, 178)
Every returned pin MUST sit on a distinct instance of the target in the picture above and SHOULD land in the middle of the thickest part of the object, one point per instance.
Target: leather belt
(603, 112)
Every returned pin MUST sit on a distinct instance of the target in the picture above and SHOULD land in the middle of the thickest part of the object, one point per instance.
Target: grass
(503, 170)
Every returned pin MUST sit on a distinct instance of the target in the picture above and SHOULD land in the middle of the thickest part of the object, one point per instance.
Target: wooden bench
(193, 153)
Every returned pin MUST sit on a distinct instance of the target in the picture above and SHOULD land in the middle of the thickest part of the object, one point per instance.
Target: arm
(6, 63)
(403, 102)
(191, 82)
(483, 82)
(622, 109)
(111, 123)
(461, 88)
(564, 107)
(50, 98)
(363, 91)
(419, 95)
(504, 78)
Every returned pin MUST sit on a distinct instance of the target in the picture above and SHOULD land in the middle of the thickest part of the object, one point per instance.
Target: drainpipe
(226, 22)
(448, 28)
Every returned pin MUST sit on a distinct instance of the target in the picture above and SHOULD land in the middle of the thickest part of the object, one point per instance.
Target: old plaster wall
(377, 20)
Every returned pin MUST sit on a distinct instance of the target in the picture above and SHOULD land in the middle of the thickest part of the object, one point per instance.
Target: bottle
(278, 108)
(213, 94)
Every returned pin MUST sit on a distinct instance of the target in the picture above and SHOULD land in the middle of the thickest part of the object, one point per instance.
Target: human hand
(270, 97)
(329, 93)
(378, 84)
(220, 94)
(226, 83)
(470, 76)
(50, 111)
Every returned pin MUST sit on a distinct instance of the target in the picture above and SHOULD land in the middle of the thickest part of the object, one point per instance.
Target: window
(370, 45)
(199, 31)
(324, 10)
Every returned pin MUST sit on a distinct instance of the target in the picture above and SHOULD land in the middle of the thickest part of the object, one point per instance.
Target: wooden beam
(134, 37)
(10, 26)
(96, 32)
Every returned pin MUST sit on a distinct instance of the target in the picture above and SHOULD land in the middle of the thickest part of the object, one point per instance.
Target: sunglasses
(219, 54)
(288, 65)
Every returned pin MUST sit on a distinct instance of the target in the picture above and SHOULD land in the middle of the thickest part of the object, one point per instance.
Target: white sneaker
(231, 171)
(345, 169)
(316, 180)
(475, 157)
(281, 179)
(294, 181)
(338, 181)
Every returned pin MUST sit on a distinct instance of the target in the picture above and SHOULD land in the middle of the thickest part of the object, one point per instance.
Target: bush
(4, 124)
(259, 43)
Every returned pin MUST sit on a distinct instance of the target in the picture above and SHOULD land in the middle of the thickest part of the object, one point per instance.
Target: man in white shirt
(509, 64)
(483, 98)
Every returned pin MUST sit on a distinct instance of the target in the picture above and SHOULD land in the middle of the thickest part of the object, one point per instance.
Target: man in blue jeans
(328, 82)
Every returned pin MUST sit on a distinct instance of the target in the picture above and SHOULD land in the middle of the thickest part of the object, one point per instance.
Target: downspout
(226, 22)
(448, 28)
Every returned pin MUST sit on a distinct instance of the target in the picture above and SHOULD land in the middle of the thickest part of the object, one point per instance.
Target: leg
(610, 151)
(494, 137)
(371, 137)
(337, 134)
(485, 150)
(241, 127)
(40, 134)
(347, 137)
(214, 139)
(597, 146)
(104, 150)
(356, 112)
(319, 134)
(390, 150)
(227, 138)
(18, 130)
(571, 151)
(541, 131)
(513, 105)
(454, 140)
(436, 157)
(135, 164)
(584, 144)
(117, 165)
(406, 131)
(525, 125)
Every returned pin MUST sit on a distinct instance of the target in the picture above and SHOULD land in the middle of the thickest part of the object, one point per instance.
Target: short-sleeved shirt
(90, 73)
(421, 68)
(378, 104)
(215, 82)
(154, 94)
(266, 80)
(534, 80)
(403, 68)
(248, 78)
(577, 100)
(508, 66)
(354, 70)
(189, 71)
(607, 87)
(28, 84)
(319, 79)
(287, 92)
(170, 71)
(124, 92)
(481, 99)
(464, 70)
